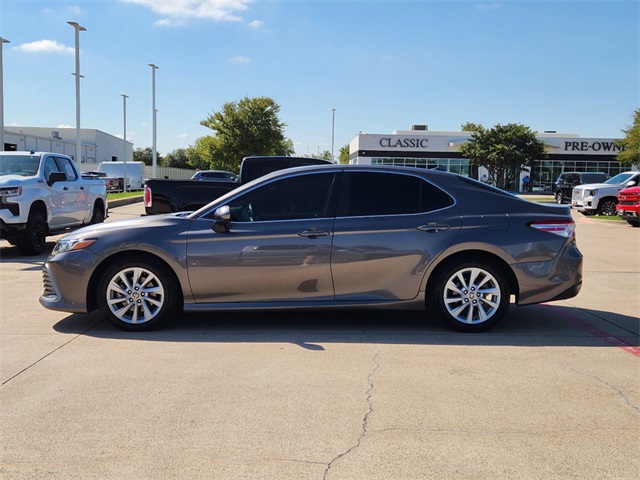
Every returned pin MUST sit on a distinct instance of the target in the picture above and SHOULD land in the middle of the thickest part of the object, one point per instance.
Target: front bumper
(66, 280)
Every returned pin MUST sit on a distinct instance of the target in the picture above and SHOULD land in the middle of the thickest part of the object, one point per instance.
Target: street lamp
(124, 123)
(153, 108)
(333, 128)
(78, 28)
(2, 41)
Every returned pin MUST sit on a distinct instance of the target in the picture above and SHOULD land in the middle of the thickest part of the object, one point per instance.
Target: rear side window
(379, 193)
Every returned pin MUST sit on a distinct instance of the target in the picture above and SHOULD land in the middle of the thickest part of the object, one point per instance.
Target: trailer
(135, 172)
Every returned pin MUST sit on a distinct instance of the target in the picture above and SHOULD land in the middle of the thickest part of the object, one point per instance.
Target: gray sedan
(330, 236)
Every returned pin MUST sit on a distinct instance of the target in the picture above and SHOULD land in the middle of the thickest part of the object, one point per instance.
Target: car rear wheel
(138, 294)
(471, 295)
(559, 197)
(607, 207)
(98, 215)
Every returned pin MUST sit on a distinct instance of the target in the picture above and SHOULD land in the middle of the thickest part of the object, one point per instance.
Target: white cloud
(177, 13)
(75, 10)
(239, 59)
(65, 126)
(489, 6)
(256, 24)
(44, 46)
(183, 135)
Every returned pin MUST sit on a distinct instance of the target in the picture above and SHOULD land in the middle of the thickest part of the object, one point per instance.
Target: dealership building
(422, 148)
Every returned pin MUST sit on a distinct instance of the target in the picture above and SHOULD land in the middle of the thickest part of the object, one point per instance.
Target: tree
(146, 155)
(325, 155)
(344, 155)
(631, 142)
(247, 127)
(177, 159)
(472, 127)
(504, 150)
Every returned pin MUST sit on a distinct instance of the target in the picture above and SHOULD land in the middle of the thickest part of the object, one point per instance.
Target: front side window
(377, 193)
(294, 198)
(64, 165)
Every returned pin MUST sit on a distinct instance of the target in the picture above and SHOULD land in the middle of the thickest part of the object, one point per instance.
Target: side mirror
(631, 184)
(56, 177)
(222, 217)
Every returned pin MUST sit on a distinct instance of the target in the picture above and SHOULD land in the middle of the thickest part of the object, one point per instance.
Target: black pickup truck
(168, 196)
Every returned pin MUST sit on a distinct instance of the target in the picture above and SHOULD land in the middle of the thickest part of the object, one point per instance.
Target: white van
(135, 172)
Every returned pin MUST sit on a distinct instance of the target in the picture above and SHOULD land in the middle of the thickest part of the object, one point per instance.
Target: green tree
(504, 150)
(177, 159)
(325, 155)
(243, 128)
(472, 127)
(146, 155)
(201, 154)
(631, 142)
(344, 155)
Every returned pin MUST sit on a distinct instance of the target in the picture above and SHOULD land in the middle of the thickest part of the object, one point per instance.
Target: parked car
(629, 205)
(602, 198)
(135, 173)
(334, 236)
(563, 187)
(221, 175)
(43, 193)
(167, 196)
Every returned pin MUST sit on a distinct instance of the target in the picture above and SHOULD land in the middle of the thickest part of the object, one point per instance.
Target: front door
(277, 248)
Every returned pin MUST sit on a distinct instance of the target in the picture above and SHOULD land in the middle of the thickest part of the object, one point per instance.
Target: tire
(634, 223)
(470, 295)
(98, 215)
(559, 197)
(138, 294)
(33, 239)
(607, 207)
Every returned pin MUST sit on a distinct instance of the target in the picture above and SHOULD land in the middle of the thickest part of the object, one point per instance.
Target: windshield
(620, 178)
(23, 165)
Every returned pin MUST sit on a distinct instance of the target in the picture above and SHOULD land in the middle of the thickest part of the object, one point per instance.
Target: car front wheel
(607, 207)
(32, 241)
(470, 295)
(138, 294)
(558, 197)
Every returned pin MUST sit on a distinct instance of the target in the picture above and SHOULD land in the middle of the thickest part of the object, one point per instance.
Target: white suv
(602, 198)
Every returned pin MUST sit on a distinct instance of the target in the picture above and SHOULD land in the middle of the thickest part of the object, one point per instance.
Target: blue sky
(570, 66)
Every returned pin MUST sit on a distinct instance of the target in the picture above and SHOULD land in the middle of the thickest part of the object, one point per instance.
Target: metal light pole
(333, 129)
(2, 41)
(78, 28)
(153, 107)
(124, 123)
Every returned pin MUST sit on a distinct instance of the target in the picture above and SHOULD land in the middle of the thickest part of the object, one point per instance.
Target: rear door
(389, 227)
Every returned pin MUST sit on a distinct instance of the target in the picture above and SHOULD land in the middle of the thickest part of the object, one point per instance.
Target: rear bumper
(563, 274)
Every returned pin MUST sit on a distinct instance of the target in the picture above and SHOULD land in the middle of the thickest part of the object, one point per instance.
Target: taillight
(564, 228)
(147, 196)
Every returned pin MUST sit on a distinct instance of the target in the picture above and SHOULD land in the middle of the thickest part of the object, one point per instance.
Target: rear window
(594, 177)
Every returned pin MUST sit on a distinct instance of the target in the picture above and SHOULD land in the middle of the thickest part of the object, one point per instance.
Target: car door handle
(65, 188)
(314, 233)
(433, 228)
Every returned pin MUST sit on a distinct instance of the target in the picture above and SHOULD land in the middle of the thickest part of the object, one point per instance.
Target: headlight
(71, 245)
(591, 193)
(11, 191)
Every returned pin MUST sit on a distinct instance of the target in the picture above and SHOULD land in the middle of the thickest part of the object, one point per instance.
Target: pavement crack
(618, 390)
(49, 354)
(365, 420)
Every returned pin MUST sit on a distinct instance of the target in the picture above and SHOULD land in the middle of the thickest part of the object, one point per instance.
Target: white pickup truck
(44, 193)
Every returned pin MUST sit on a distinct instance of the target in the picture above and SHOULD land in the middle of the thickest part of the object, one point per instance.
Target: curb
(125, 201)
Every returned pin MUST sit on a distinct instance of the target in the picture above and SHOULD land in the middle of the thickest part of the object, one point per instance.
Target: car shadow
(538, 325)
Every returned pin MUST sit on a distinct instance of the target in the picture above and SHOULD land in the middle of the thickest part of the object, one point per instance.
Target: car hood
(591, 186)
(137, 223)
